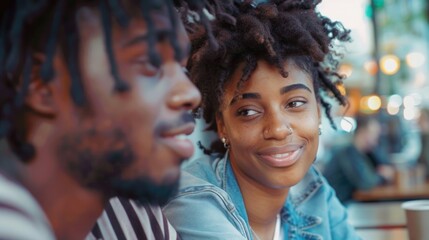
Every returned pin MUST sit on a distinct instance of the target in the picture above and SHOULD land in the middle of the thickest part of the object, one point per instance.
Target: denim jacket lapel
(298, 222)
(229, 184)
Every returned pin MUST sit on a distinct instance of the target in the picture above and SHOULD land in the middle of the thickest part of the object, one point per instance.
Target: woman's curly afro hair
(274, 31)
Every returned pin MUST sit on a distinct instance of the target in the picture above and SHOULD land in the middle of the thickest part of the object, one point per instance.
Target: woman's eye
(246, 112)
(295, 104)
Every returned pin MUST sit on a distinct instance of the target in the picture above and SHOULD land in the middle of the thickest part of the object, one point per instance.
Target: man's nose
(183, 94)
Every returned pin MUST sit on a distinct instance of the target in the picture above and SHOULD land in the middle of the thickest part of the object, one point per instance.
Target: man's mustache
(164, 126)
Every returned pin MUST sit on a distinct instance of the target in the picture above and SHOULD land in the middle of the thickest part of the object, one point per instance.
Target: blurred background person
(356, 165)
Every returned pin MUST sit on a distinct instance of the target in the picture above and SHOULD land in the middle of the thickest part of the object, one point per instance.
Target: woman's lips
(281, 157)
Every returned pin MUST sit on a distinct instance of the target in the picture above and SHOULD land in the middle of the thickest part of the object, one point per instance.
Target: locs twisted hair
(274, 31)
(28, 27)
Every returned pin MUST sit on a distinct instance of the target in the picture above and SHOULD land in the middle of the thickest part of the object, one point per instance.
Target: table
(381, 234)
(394, 192)
(376, 215)
(378, 220)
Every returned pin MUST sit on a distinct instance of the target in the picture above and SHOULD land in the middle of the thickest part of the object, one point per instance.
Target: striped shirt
(126, 219)
(21, 217)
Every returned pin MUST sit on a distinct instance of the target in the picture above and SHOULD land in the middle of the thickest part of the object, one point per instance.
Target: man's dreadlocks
(29, 26)
(274, 31)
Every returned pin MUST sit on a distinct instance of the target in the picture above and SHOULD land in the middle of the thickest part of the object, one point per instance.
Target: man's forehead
(159, 21)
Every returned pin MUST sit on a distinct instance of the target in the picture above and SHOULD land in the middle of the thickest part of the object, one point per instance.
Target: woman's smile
(284, 156)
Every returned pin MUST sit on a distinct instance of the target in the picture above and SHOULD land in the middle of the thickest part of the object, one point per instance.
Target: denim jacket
(209, 205)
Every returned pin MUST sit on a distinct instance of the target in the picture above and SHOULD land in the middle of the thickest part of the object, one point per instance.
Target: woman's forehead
(266, 73)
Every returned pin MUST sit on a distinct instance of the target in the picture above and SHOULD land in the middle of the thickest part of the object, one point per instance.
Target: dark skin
(142, 122)
(272, 130)
(255, 49)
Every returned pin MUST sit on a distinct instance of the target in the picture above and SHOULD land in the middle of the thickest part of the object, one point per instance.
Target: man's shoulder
(15, 196)
(21, 217)
(127, 219)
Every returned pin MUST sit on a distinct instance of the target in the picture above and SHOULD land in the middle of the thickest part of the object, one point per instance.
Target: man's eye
(148, 69)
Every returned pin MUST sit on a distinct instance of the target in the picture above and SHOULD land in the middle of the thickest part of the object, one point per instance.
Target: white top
(21, 217)
(278, 232)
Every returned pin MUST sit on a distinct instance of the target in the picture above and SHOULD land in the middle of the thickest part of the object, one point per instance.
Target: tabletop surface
(376, 215)
(378, 220)
(394, 192)
(382, 234)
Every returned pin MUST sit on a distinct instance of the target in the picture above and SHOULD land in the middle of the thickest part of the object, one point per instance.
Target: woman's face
(272, 125)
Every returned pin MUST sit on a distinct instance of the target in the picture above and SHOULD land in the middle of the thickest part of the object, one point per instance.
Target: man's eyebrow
(160, 35)
(292, 87)
(245, 96)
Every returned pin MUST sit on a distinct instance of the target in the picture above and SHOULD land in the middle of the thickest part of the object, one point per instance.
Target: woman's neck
(263, 204)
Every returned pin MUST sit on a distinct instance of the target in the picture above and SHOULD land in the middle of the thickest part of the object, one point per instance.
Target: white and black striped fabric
(21, 217)
(124, 219)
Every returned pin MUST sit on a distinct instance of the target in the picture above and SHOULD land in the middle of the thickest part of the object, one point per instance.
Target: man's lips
(176, 140)
(282, 156)
(184, 129)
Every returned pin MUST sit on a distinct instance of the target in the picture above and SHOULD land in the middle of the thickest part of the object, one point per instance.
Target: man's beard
(97, 160)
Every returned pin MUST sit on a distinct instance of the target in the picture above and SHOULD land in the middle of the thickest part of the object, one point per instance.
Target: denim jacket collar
(297, 195)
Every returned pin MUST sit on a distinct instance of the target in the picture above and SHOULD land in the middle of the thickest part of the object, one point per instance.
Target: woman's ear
(319, 114)
(220, 126)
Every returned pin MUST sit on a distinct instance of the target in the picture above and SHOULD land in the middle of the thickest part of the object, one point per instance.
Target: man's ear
(39, 97)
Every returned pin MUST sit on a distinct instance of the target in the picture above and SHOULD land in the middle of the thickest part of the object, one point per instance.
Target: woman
(262, 80)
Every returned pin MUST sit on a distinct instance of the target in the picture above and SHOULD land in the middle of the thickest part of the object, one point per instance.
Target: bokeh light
(374, 102)
(348, 124)
(415, 59)
(389, 64)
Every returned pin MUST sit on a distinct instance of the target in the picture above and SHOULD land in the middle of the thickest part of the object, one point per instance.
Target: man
(356, 165)
(94, 103)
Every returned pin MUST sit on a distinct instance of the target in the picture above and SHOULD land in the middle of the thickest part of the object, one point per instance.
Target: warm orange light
(371, 67)
(370, 103)
(374, 103)
(389, 64)
(345, 69)
(342, 89)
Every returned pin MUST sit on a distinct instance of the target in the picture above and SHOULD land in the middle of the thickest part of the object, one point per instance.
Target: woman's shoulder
(203, 175)
(312, 185)
(203, 171)
(202, 182)
(201, 195)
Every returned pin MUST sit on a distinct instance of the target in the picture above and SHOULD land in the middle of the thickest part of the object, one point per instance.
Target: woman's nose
(277, 127)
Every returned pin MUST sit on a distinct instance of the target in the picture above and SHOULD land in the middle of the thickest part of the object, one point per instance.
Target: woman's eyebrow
(292, 87)
(244, 96)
